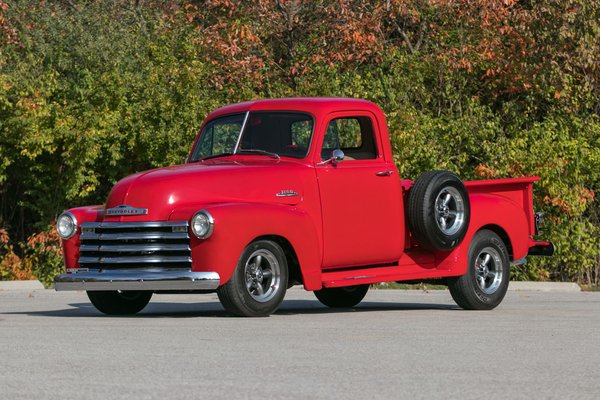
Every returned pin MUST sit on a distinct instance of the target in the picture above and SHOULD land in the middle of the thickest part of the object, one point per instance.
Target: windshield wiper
(215, 156)
(258, 151)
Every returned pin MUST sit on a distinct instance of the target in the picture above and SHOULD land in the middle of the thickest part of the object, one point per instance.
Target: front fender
(493, 211)
(238, 224)
(71, 246)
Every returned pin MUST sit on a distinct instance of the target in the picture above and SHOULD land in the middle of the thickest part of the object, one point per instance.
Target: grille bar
(116, 245)
(134, 236)
(144, 247)
(129, 225)
(133, 260)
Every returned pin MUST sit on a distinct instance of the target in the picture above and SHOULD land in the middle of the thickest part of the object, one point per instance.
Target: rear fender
(498, 213)
(238, 224)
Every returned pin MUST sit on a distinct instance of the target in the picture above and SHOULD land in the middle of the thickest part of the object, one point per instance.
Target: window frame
(194, 156)
(378, 149)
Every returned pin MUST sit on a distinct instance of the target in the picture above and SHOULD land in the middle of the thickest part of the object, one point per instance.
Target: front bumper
(137, 279)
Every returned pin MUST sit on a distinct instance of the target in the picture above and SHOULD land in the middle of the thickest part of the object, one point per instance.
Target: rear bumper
(137, 279)
(542, 249)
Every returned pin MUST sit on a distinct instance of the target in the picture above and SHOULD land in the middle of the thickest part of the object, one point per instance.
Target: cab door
(361, 195)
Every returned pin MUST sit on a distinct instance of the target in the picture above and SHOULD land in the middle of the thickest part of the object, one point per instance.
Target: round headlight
(66, 225)
(202, 224)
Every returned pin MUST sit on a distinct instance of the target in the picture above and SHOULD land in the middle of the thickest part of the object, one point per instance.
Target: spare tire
(438, 210)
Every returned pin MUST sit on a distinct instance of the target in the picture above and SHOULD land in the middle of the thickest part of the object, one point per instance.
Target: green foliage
(91, 91)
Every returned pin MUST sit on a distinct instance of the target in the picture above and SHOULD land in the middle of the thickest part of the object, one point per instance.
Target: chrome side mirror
(337, 156)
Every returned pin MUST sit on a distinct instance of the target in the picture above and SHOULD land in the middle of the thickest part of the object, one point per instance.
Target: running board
(415, 264)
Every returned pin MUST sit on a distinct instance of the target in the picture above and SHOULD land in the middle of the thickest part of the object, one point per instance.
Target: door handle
(385, 173)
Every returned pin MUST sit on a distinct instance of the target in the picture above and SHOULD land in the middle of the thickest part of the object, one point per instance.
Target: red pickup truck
(300, 191)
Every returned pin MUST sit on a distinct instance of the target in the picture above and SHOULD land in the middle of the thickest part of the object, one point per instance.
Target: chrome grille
(113, 245)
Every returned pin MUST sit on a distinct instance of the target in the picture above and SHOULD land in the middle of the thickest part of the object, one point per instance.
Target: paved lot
(396, 344)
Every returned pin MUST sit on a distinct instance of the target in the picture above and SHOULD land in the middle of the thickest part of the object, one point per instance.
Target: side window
(353, 135)
(349, 133)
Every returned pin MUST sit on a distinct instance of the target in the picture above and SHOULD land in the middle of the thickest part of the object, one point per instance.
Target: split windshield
(270, 133)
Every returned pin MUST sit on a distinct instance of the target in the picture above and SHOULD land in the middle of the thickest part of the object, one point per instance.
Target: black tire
(343, 297)
(250, 293)
(438, 210)
(485, 284)
(119, 302)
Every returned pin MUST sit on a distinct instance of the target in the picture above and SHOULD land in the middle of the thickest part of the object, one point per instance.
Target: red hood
(190, 186)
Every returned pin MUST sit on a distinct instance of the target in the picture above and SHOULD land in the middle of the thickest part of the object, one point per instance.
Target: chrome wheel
(485, 282)
(488, 270)
(258, 284)
(263, 275)
(449, 210)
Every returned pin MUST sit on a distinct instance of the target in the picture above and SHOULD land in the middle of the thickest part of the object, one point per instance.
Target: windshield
(285, 134)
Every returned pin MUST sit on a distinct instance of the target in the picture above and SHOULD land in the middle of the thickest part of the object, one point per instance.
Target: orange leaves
(4, 238)
(11, 265)
(46, 241)
(12, 268)
(39, 249)
(485, 172)
(253, 42)
(8, 34)
(580, 199)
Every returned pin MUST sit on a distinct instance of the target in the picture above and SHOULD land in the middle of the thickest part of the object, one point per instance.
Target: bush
(91, 91)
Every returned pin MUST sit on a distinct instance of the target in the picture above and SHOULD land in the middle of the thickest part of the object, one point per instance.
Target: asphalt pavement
(394, 345)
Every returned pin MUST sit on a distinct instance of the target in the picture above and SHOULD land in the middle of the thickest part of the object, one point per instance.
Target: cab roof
(312, 105)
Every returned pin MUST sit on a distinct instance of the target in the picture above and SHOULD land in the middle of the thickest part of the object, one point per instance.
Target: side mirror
(337, 156)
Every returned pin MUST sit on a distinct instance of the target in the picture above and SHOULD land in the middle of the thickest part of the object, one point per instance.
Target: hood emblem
(124, 209)
(287, 193)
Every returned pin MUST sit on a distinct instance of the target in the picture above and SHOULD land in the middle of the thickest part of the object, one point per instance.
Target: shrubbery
(91, 91)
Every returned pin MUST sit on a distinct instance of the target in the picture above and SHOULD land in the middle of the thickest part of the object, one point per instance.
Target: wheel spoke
(259, 289)
(443, 222)
(486, 259)
(447, 199)
(481, 281)
(262, 275)
(453, 213)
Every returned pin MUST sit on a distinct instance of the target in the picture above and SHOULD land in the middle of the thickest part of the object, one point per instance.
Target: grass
(408, 286)
(590, 288)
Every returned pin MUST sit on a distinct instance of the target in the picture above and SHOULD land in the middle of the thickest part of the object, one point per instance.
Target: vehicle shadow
(291, 307)
(215, 310)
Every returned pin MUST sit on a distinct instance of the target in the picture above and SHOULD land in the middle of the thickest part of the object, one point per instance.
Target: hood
(165, 190)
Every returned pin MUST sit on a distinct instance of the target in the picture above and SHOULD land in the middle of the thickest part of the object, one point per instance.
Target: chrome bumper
(137, 279)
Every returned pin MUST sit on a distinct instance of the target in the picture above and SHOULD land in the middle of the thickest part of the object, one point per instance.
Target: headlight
(66, 225)
(202, 224)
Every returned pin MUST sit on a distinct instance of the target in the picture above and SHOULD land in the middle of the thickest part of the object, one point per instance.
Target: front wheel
(343, 297)
(259, 282)
(485, 284)
(117, 302)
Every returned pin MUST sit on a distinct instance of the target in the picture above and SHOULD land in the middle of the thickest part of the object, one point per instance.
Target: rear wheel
(342, 297)
(485, 284)
(116, 302)
(259, 282)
